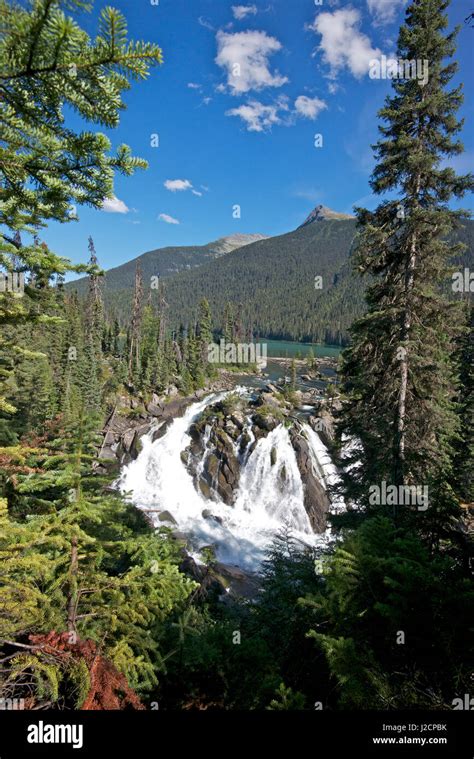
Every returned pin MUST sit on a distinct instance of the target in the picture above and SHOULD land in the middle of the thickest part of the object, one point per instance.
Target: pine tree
(228, 325)
(398, 375)
(49, 63)
(204, 329)
(463, 462)
(134, 349)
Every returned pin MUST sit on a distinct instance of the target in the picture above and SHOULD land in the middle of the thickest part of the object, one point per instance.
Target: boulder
(207, 514)
(154, 410)
(165, 516)
(127, 440)
(238, 419)
(266, 422)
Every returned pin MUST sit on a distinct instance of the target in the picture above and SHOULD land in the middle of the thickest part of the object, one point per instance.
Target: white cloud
(205, 23)
(178, 185)
(309, 108)
(241, 11)
(257, 116)
(168, 219)
(194, 86)
(385, 11)
(114, 205)
(342, 44)
(244, 56)
(196, 192)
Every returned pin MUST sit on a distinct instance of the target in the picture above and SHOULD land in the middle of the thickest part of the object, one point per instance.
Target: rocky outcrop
(316, 500)
(133, 417)
(211, 457)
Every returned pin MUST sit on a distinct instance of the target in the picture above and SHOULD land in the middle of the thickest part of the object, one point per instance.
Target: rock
(165, 516)
(306, 377)
(205, 489)
(240, 584)
(207, 514)
(316, 500)
(127, 440)
(267, 423)
(324, 426)
(160, 431)
(136, 446)
(238, 419)
(154, 410)
(244, 441)
(232, 430)
(267, 399)
(172, 391)
(270, 388)
(273, 456)
(212, 466)
(177, 535)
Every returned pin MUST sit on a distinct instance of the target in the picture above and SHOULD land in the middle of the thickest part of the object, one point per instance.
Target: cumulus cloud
(241, 11)
(342, 44)
(178, 185)
(244, 56)
(114, 205)
(309, 108)
(385, 11)
(194, 86)
(168, 219)
(259, 117)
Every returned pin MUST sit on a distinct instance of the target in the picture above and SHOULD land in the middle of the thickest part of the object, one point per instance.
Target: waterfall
(270, 492)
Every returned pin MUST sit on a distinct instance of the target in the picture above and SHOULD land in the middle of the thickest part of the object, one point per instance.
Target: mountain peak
(323, 213)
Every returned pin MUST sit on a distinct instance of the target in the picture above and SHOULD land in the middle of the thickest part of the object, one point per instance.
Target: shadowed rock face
(220, 470)
(316, 500)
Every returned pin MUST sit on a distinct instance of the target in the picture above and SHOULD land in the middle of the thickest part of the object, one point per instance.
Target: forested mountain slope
(272, 284)
(166, 262)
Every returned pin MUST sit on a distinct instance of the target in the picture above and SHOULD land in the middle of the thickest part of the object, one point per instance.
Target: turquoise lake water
(282, 349)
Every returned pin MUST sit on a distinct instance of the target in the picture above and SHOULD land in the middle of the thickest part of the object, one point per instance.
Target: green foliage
(388, 609)
(399, 374)
(287, 700)
(49, 62)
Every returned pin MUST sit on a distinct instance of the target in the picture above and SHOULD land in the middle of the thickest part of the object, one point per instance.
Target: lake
(284, 349)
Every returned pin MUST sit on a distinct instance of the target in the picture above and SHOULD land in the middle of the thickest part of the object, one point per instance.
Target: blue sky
(245, 136)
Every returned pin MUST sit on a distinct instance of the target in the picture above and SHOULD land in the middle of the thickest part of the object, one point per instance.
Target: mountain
(323, 213)
(166, 262)
(271, 281)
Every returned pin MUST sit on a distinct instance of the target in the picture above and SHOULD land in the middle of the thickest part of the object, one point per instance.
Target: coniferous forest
(110, 599)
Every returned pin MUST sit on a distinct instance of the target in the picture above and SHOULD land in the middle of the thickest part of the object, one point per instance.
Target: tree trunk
(72, 592)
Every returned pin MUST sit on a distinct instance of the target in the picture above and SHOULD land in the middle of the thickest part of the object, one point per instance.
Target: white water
(268, 496)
